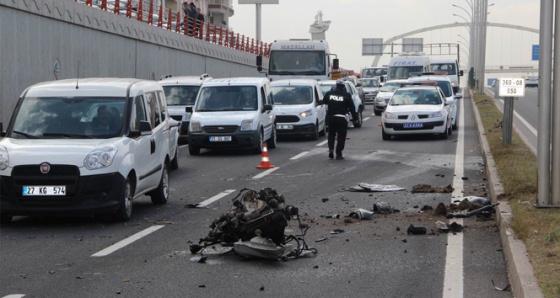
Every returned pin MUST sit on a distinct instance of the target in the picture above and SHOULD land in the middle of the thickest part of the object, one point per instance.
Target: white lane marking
(127, 241)
(259, 176)
(299, 155)
(14, 296)
(215, 198)
(366, 119)
(322, 143)
(453, 278)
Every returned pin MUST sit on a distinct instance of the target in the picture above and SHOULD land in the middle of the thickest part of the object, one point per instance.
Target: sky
(353, 20)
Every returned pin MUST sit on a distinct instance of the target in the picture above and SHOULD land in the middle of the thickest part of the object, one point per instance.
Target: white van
(299, 109)
(180, 93)
(406, 64)
(233, 113)
(86, 146)
(448, 67)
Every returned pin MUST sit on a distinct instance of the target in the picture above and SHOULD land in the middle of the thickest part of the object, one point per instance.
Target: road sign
(511, 87)
(535, 56)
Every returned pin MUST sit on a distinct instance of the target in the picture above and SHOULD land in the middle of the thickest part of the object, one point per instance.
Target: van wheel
(358, 123)
(125, 210)
(259, 148)
(315, 134)
(160, 195)
(175, 161)
(323, 131)
(271, 143)
(385, 136)
(194, 150)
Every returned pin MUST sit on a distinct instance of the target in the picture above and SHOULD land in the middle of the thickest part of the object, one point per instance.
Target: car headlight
(4, 158)
(388, 115)
(306, 113)
(436, 114)
(100, 157)
(247, 125)
(195, 126)
(379, 99)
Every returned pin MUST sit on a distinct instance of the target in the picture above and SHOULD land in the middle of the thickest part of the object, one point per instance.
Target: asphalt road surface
(149, 255)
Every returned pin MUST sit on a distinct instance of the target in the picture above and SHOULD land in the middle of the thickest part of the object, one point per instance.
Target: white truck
(299, 59)
(406, 64)
(451, 68)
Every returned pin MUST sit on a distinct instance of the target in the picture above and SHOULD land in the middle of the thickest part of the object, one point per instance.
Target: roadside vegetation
(539, 228)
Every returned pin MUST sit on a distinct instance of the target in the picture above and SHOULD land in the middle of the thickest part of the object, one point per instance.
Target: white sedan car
(417, 110)
(444, 82)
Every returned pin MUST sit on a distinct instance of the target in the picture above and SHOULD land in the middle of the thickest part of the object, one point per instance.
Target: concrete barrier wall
(43, 40)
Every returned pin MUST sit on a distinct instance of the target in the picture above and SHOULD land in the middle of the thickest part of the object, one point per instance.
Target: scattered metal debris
(416, 230)
(430, 189)
(366, 187)
(254, 226)
(361, 214)
(337, 231)
(506, 288)
(473, 212)
(383, 207)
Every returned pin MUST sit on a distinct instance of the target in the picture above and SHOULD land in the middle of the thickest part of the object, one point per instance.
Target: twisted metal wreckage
(254, 227)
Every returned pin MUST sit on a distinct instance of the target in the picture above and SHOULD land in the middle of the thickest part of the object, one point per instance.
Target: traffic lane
(148, 252)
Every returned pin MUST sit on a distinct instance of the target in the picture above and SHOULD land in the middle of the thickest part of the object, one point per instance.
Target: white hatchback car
(444, 82)
(384, 95)
(180, 93)
(86, 146)
(417, 110)
(299, 109)
(329, 85)
(233, 113)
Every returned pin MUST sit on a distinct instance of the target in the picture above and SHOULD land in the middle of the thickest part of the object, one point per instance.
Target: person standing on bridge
(339, 104)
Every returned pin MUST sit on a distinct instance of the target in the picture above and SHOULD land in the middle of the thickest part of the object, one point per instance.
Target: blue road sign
(535, 52)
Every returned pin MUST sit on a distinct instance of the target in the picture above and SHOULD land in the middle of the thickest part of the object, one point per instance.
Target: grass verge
(539, 228)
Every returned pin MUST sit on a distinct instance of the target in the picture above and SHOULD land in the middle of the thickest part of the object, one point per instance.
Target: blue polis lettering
(297, 47)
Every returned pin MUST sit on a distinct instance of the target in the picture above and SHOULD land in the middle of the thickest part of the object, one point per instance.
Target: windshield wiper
(25, 134)
(67, 135)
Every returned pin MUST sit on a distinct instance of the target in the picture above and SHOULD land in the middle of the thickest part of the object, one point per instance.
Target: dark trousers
(338, 127)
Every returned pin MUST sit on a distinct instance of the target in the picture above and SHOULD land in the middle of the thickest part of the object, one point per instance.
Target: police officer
(339, 104)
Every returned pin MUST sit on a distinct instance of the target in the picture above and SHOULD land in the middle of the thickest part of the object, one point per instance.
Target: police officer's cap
(340, 82)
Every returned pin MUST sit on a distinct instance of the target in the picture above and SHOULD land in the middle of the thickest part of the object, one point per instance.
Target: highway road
(149, 255)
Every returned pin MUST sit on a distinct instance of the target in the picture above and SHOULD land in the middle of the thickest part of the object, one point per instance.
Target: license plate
(284, 126)
(413, 125)
(220, 139)
(44, 190)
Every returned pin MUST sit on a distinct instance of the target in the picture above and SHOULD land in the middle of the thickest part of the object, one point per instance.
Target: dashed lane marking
(215, 198)
(109, 250)
(259, 176)
(299, 155)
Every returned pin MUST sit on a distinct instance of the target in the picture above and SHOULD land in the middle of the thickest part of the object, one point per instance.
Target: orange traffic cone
(265, 162)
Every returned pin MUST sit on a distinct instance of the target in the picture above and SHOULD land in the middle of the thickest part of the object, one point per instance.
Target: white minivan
(86, 146)
(299, 109)
(233, 113)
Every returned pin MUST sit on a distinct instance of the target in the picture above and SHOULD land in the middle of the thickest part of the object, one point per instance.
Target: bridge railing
(145, 11)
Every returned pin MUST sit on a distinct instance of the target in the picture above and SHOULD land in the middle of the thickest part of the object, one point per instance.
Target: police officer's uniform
(339, 103)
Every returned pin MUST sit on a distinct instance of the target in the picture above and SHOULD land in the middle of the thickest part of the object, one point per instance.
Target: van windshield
(402, 72)
(227, 98)
(180, 95)
(69, 117)
(444, 67)
(292, 95)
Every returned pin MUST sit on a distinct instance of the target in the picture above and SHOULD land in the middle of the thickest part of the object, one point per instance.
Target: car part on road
(471, 213)
(362, 214)
(416, 230)
(255, 225)
(366, 187)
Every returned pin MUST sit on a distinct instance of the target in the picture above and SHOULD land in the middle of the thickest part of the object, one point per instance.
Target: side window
(316, 96)
(138, 113)
(161, 101)
(155, 115)
(264, 98)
